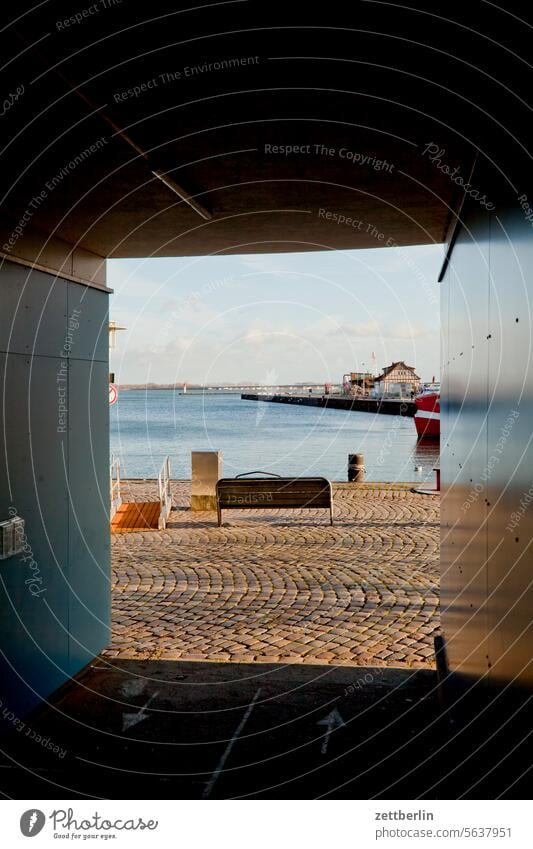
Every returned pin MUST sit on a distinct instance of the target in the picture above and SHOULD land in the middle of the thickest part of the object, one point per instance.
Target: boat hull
(427, 416)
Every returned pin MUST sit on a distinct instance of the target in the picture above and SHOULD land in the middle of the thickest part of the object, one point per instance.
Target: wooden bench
(273, 492)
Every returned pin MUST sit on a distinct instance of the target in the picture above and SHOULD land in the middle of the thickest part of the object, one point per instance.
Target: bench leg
(331, 515)
(219, 514)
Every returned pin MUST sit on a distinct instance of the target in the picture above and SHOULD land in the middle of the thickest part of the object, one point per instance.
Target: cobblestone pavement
(282, 586)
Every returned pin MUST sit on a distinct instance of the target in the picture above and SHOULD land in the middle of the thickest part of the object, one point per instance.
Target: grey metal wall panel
(463, 449)
(487, 447)
(91, 337)
(33, 311)
(89, 541)
(54, 470)
(34, 600)
(510, 449)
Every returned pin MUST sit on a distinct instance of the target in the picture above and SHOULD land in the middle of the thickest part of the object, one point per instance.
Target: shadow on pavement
(169, 729)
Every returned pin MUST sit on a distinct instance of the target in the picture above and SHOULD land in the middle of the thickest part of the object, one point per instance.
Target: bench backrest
(264, 493)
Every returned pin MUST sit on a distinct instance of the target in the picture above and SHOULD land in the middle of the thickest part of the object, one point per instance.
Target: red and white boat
(427, 416)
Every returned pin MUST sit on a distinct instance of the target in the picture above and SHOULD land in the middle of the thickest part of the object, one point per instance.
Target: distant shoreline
(237, 387)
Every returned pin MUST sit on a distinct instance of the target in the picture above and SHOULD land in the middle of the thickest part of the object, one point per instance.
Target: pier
(386, 406)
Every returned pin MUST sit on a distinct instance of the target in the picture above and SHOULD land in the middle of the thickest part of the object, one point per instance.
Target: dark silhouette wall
(54, 447)
(487, 444)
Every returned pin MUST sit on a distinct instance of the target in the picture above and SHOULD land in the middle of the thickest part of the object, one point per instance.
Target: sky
(275, 318)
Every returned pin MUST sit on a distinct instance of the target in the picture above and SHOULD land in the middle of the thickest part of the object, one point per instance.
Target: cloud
(317, 316)
(361, 329)
(260, 337)
(410, 330)
(130, 283)
(385, 330)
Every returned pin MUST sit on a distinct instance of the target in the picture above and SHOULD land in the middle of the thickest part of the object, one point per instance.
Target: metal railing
(165, 495)
(114, 485)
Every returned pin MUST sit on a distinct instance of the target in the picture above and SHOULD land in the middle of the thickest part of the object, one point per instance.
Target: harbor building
(357, 383)
(397, 379)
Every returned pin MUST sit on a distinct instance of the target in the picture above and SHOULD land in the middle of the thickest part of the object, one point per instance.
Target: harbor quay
(385, 406)
(282, 586)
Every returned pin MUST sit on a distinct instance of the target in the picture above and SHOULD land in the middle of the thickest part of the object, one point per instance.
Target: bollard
(356, 468)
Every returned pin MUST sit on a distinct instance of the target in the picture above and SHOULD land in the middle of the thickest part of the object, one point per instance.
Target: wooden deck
(136, 516)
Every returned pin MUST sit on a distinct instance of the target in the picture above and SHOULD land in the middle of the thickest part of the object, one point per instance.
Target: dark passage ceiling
(288, 127)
